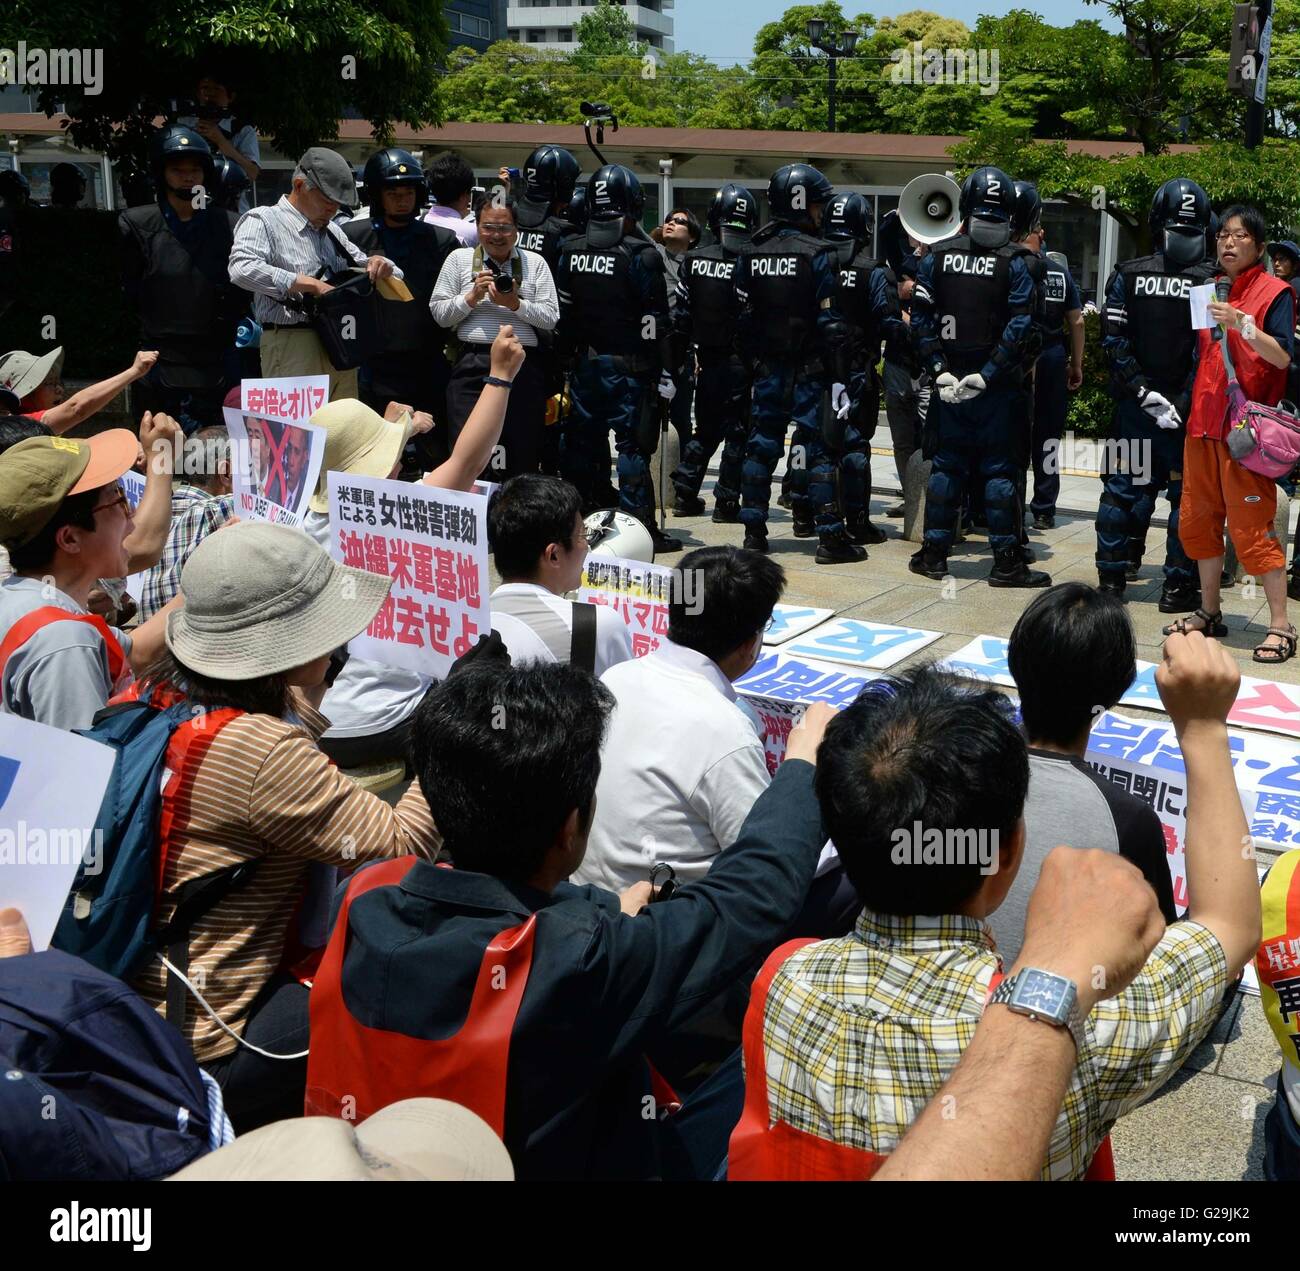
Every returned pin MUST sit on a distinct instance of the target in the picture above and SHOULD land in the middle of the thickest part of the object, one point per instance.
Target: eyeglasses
(1241, 235)
(112, 503)
(495, 230)
(678, 220)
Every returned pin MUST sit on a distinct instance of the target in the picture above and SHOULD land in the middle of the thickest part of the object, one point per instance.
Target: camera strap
(516, 265)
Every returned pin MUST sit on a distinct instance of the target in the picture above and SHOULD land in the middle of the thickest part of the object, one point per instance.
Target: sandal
(1276, 653)
(1214, 626)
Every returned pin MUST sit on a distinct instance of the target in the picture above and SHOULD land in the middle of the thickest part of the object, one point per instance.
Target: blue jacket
(603, 987)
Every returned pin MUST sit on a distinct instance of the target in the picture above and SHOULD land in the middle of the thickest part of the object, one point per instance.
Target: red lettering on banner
(1266, 697)
(438, 624)
(410, 622)
(660, 627)
(467, 580)
(382, 626)
(399, 554)
(354, 551)
(377, 554)
(423, 581)
(468, 635)
(444, 573)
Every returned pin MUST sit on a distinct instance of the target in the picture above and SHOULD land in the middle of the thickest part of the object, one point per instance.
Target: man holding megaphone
(973, 315)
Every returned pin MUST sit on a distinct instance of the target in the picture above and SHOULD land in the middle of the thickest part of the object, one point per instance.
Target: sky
(724, 30)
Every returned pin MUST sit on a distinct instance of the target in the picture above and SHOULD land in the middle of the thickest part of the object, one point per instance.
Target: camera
(505, 284)
(597, 111)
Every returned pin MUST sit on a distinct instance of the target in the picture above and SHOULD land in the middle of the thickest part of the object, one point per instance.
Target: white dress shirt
(539, 306)
(680, 770)
(613, 641)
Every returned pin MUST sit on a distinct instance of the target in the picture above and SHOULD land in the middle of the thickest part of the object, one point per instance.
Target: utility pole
(835, 46)
(1252, 34)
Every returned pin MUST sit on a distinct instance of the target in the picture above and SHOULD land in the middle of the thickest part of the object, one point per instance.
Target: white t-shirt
(680, 770)
(613, 641)
(367, 697)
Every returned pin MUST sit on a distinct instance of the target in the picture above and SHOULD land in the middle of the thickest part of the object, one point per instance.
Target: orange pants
(1217, 488)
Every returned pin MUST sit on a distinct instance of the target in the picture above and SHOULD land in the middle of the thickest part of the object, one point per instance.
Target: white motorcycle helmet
(613, 533)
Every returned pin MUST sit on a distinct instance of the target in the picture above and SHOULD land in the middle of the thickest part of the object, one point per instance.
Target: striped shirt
(273, 245)
(264, 791)
(860, 1032)
(195, 514)
(539, 306)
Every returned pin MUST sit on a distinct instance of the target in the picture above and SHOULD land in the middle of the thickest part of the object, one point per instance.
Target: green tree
(606, 31)
(299, 67)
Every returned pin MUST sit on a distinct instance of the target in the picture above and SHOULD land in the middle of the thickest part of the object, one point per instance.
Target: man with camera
(232, 138)
(480, 290)
(282, 254)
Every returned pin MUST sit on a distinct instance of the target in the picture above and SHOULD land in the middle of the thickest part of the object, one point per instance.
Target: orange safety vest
(761, 1151)
(1253, 292)
(30, 623)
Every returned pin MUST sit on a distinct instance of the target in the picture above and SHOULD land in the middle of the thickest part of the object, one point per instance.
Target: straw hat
(358, 441)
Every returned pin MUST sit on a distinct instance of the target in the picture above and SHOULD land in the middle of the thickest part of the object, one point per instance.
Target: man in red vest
(922, 781)
(501, 986)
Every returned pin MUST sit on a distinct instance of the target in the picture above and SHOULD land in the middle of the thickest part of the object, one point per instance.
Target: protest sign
(874, 645)
(637, 592)
(789, 621)
(433, 544)
(51, 785)
(290, 399)
(275, 466)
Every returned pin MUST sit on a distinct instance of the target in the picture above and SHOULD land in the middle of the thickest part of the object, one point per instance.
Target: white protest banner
(51, 785)
(133, 488)
(772, 720)
(433, 544)
(291, 399)
(274, 467)
(873, 645)
(789, 621)
(637, 592)
(985, 658)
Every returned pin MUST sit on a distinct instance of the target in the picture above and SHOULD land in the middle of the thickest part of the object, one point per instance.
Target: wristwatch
(497, 382)
(1045, 996)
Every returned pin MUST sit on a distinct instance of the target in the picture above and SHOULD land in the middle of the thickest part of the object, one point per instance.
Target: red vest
(1254, 293)
(353, 1070)
(30, 623)
(764, 1152)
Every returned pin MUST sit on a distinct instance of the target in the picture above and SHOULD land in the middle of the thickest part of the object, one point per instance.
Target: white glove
(972, 386)
(667, 389)
(1168, 419)
(1249, 331)
(947, 386)
(840, 403)
(1155, 404)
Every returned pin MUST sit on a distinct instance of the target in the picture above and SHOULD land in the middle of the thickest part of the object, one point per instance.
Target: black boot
(688, 505)
(1027, 553)
(836, 549)
(1009, 570)
(1180, 598)
(726, 511)
(1135, 551)
(860, 530)
(1044, 521)
(1112, 585)
(930, 562)
(804, 526)
(756, 539)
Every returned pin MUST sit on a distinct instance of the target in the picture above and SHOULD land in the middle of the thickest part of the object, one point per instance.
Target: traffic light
(1243, 56)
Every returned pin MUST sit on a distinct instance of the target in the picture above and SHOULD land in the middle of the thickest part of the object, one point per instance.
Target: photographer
(216, 123)
(480, 290)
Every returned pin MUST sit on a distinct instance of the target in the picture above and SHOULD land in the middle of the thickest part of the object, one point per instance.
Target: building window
(468, 24)
(536, 37)
(566, 35)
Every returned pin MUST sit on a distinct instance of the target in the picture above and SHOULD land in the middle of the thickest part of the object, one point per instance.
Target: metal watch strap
(1073, 1024)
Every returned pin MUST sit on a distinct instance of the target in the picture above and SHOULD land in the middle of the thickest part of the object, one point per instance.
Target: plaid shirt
(195, 514)
(859, 1033)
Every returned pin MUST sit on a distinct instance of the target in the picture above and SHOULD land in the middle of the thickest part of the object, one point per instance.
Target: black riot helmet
(733, 216)
(613, 196)
(1028, 212)
(550, 175)
(576, 212)
(229, 183)
(1180, 218)
(15, 189)
(848, 218)
(177, 140)
(795, 190)
(1212, 239)
(391, 169)
(988, 202)
(67, 185)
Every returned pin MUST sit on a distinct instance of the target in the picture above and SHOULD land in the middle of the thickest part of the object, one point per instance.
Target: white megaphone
(928, 208)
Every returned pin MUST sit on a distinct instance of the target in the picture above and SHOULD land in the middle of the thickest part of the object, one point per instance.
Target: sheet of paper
(51, 785)
(1199, 298)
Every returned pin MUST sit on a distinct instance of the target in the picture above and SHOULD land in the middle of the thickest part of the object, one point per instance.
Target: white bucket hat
(23, 373)
(261, 599)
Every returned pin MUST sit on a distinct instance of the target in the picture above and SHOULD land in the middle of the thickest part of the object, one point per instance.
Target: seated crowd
(623, 870)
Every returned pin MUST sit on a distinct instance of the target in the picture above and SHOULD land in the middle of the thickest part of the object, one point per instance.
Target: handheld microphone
(1222, 286)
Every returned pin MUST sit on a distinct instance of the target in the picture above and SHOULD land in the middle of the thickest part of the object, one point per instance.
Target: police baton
(665, 414)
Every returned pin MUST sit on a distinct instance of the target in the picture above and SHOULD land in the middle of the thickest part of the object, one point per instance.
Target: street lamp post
(835, 45)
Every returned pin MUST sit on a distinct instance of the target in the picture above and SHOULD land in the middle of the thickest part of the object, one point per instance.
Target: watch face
(1042, 993)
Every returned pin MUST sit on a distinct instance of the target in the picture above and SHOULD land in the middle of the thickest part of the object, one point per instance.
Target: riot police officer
(1151, 350)
(550, 178)
(855, 406)
(174, 254)
(411, 368)
(614, 325)
(1052, 380)
(972, 314)
(705, 318)
(786, 281)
